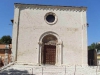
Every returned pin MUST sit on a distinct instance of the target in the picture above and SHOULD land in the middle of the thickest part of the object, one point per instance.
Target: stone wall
(29, 25)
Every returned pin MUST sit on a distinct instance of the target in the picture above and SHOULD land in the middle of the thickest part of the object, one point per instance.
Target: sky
(93, 15)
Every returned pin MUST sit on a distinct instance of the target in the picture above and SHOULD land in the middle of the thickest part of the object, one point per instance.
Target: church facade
(49, 35)
(49, 40)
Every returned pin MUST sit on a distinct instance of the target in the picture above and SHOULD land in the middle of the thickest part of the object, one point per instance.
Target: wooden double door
(49, 54)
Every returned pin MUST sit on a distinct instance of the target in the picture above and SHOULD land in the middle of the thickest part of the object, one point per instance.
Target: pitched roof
(3, 46)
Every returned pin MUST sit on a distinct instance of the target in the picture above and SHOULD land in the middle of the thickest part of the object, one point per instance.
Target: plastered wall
(29, 25)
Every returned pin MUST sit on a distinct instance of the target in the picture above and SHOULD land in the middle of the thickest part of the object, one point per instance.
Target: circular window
(50, 18)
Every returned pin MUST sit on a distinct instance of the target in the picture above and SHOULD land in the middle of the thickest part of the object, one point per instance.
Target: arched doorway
(51, 42)
(49, 49)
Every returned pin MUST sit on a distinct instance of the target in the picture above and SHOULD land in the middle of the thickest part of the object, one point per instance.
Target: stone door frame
(59, 48)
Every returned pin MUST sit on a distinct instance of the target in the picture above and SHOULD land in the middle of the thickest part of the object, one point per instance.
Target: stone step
(15, 73)
(49, 70)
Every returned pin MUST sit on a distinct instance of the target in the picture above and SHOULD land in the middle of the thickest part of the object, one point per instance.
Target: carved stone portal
(50, 50)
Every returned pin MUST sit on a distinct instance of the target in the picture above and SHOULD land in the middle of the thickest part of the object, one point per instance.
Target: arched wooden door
(49, 54)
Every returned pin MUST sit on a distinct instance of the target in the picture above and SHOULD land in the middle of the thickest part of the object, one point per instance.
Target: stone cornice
(49, 7)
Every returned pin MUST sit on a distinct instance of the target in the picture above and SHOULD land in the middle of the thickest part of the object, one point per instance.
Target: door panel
(49, 56)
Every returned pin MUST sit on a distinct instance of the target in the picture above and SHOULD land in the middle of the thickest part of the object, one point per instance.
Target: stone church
(50, 35)
(50, 40)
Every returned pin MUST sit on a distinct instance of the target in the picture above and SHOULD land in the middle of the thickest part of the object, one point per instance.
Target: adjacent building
(98, 58)
(5, 54)
(92, 57)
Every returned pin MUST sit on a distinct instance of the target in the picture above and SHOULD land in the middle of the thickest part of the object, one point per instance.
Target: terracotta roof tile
(3, 46)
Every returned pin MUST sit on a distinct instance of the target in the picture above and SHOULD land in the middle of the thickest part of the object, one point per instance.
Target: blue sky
(93, 14)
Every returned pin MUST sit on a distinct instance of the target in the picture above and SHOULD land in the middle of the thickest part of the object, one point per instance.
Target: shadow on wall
(15, 72)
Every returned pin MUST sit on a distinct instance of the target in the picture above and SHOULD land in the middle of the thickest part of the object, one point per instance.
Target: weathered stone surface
(70, 29)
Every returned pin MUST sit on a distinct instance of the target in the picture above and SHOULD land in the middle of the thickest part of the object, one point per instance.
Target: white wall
(70, 26)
